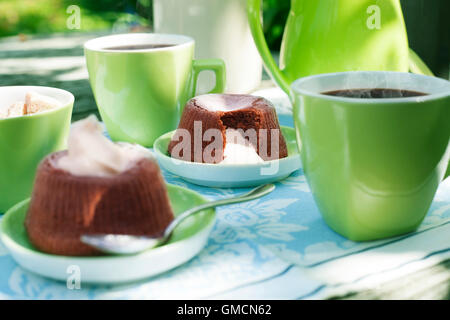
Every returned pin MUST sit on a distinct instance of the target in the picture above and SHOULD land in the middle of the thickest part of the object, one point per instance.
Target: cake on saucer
(228, 128)
(95, 187)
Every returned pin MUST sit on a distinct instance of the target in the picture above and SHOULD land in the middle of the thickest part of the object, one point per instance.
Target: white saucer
(230, 175)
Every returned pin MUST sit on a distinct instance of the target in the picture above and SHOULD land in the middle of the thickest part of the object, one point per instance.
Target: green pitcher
(324, 36)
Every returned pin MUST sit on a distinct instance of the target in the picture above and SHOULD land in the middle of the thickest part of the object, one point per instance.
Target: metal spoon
(127, 244)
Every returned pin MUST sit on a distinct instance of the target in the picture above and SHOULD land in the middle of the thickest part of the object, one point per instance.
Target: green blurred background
(427, 21)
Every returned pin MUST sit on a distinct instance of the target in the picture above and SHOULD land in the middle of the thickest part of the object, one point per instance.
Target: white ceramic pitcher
(221, 30)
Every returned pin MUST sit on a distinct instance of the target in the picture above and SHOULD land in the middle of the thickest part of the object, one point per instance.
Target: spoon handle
(253, 194)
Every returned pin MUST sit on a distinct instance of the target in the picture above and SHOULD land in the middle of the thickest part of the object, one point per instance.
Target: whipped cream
(90, 153)
(238, 150)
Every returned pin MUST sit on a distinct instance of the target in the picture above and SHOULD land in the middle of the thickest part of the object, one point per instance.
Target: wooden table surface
(58, 61)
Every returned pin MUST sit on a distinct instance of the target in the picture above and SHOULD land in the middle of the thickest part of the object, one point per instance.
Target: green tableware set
(373, 165)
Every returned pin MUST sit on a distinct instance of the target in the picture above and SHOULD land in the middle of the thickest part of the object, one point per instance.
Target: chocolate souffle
(227, 112)
(105, 188)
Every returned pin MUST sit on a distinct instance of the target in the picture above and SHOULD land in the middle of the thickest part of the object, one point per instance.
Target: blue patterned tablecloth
(276, 247)
(266, 248)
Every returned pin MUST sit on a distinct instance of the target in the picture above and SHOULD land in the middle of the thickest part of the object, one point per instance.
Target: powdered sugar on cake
(221, 102)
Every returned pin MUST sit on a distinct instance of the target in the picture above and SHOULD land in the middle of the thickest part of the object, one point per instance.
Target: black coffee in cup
(375, 93)
(139, 47)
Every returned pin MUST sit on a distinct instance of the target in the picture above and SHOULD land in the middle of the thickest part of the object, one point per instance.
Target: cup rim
(298, 87)
(66, 104)
(181, 42)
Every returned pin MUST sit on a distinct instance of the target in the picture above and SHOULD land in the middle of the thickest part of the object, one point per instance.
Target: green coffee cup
(373, 165)
(141, 92)
(25, 141)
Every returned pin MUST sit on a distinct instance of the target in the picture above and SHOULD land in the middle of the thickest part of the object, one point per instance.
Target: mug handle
(215, 65)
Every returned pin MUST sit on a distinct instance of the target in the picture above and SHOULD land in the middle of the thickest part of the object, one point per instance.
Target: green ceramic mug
(24, 141)
(141, 93)
(373, 165)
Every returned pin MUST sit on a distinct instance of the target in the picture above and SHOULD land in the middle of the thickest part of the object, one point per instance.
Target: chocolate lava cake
(65, 206)
(229, 111)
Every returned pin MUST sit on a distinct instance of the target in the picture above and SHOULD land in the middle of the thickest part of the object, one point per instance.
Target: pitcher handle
(254, 19)
(416, 65)
(447, 174)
